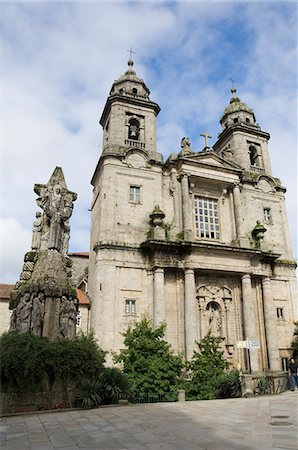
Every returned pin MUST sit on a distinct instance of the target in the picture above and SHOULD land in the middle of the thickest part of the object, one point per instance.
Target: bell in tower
(129, 116)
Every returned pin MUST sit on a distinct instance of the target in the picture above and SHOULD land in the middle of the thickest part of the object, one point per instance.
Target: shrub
(206, 367)
(229, 385)
(27, 362)
(149, 362)
(88, 393)
(106, 388)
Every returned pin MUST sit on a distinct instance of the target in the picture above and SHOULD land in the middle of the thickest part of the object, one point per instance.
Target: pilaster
(158, 296)
(269, 316)
(250, 322)
(190, 312)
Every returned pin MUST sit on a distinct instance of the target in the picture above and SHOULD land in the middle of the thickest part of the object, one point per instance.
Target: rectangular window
(267, 215)
(134, 194)
(206, 218)
(280, 313)
(79, 317)
(284, 364)
(130, 307)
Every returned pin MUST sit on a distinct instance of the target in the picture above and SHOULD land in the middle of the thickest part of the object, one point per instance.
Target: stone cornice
(130, 100)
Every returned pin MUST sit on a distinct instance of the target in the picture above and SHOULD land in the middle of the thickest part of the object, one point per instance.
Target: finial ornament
(233, 90)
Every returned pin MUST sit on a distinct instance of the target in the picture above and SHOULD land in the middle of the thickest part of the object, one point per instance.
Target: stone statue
(23, 313)
(68, 314)
(185, 143)
(214, 320)
(36, 232)
(37, 314)
(57, 203)
(42, 301)
(185, 147)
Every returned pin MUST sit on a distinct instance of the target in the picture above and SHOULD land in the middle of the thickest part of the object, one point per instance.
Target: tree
(148, 361)
(206, 368)
(295, 342)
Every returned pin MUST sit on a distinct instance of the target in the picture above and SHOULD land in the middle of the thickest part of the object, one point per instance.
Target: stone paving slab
(260, 423)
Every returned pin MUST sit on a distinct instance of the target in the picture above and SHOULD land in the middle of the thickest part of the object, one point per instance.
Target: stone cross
(130, 52)
(206, 136)
(232, 81)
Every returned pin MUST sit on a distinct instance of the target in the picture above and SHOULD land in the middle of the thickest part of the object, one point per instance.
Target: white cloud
(60, 60)
(15, 242)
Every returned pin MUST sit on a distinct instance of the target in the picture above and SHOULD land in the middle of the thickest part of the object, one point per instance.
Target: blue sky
(59, 60)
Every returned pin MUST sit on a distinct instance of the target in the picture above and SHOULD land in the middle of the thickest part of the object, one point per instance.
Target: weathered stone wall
(59, 396)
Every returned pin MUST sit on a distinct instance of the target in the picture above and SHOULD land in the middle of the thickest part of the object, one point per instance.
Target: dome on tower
(237, 112)
(130, 84)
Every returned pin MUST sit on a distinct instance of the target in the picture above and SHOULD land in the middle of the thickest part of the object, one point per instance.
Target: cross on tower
(130, 51)
(232, 81)
(206, 136)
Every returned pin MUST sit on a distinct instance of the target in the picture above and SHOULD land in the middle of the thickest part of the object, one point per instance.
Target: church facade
(200, 241)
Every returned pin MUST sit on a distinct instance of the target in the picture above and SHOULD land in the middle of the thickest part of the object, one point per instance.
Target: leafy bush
(114, 384)
(205, 369)
(148, 361)
(27, 362)
(295, 342)
(229, 385)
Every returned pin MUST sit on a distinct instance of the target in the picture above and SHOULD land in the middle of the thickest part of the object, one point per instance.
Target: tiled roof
(82, 297)
(85, 254)
(5, 290)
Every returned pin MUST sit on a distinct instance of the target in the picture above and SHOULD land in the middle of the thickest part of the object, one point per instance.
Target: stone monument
(44, 299)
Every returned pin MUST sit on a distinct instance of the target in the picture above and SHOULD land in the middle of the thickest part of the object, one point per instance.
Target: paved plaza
(261, 423)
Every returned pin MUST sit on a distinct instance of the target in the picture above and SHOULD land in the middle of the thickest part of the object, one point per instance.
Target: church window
(206, 218)
(267, 215)
(280, 313)
(133, 129)
(235, 120)
(247, 120)
(130, 307)
(134, 194)
(134, 91)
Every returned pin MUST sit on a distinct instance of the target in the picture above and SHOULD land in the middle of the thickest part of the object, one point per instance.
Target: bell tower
(129, 116)
(242, 139)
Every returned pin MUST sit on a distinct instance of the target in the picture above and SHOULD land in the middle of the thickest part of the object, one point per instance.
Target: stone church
(200, 241)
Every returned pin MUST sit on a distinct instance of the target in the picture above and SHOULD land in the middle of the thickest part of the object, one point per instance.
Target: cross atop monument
(206, 136)
(130, 51)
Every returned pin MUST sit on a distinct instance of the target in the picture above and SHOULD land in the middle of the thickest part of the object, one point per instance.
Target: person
(293, 373)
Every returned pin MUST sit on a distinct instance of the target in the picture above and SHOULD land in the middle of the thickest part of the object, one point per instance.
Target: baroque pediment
(211, 158)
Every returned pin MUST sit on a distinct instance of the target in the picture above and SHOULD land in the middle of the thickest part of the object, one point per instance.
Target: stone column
(241, 239)
(250, 324)
(186, 212)
(270, 321)
(190, 312)
(158, 296)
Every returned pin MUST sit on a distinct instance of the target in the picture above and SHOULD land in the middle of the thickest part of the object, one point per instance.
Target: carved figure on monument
(37, 314)
(36, 232)
(57, 203)
(67, 319)
(23, 313)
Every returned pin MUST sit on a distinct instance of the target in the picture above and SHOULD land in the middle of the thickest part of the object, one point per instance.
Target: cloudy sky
(59, 60)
